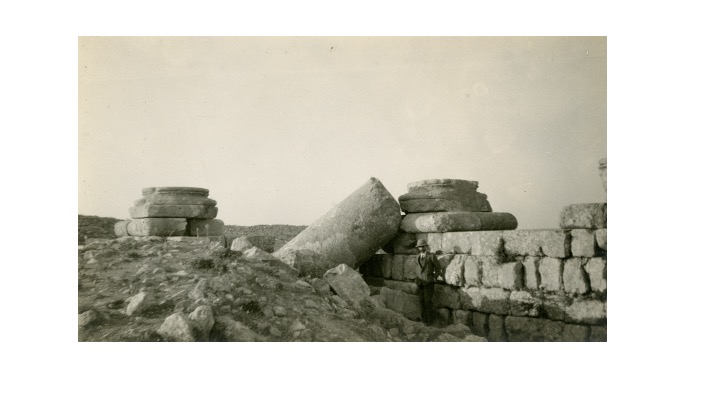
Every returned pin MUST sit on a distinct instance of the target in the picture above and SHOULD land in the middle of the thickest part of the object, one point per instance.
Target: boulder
(347, 283)
(204, 227)
(350, 233)
(177, 328)
(202, 321)
(138, 303)
(458, 221)
(241, 244)
(157, 227)
(173, 211)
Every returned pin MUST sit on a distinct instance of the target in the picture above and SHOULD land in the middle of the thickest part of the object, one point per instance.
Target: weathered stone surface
(457, 242)
(434, 239)
(348, 234)
(463, 317)
(202, 321)
(372, 267)
(554, 307)
(598, 334)
(472, 271)
(574, 278)
(446, 296)
(205, 227)
(454, 271)
(203, 192)
(87, 318)
(601, 238)
(510, 276)
(379, 301)
(347, 283)
(446, 337)
(458, 221)
(551, 273)
(406, 304)
(486, 243)
(443, 184)
(120, 228)
(532, 275)
(575, 333)
(480, 323)
(398, 264)
(554, 242)
(177, 328)
(522, 242)
(496, 329)
(445, 260)
(523, 303)
(523, 329)
(584, 216)
(444, 316)
(475, 202)
(406, 287)
(175, 199)
(235, 331)
(583, 243)
(490, 271)
(488, 300)
(596, 269)
(173, 211)
(386, 266)
(404, 243)
(240, 244)
(458, 330)
(474, 338)
(138, 303)
(255, 253)
(411, 269)
(157, 227)
(588, 312)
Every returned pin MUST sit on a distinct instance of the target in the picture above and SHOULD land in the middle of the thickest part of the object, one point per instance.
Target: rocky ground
(192, 289)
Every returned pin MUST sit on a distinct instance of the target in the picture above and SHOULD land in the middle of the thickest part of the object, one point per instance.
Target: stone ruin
(172, 212)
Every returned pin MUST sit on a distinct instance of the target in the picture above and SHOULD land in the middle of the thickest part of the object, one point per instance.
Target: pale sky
(280, 129)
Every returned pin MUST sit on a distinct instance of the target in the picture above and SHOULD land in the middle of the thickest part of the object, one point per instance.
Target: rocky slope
(192, 289)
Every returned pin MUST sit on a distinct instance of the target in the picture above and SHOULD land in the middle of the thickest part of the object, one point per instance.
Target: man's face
(421, 249)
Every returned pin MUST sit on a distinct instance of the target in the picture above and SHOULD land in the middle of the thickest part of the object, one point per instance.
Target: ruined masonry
(173, 212)
(505, 284)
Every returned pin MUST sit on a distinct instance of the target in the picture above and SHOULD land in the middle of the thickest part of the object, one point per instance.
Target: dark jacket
(429, 269)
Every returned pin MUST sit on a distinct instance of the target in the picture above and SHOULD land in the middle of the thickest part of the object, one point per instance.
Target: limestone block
(398, 264)
(205, 227)
(522, 243)
(488, 300)
(490, 271)
(472, 271)
(444, 316)
(551, 273)
(386, 266)
(583, 243)
(406, 287)
(584, 216)
(474, 202)
(173, 211)
(406, 304)
(601, 238)
(177, 328)
(446, 296)
(347, 283)
(241, 244)
(575, 280)
(411, 268)
(589, 312)
(458, 221)
(175, 199)
(496, 329)
(486, 243)
(349, 233)
(523, 303)
(462, 317)
(454, 271)
(442, 184)
(480, 323)
(203, 192)
(157, 227)
(531, 265)
(121, 228)
(457, 242)
(575, 333)
(597, 271)
(434, 241)
(598, 334)
(523, 329)
(554, 242)
(510, 276)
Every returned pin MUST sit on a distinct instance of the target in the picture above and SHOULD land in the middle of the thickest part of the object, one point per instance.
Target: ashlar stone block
(522, 243)
(601, 238)
(398, 265)
(575, 333)
(488, 300)
(589, 312)
(532, 274)
(486, 243)
(523, 303)
(480, 323)
(583, 243)
(454, 271)
(473, 271)
(446, 297)
(575, 280)
(597, 271)
(157, 227)
(523, 329)
(490, 271)
(510, 276)
(551, 273)
(387, 265)
(411, 268)
(496, 329)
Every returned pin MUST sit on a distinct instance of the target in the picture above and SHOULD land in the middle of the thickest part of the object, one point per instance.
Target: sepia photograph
(342, 189)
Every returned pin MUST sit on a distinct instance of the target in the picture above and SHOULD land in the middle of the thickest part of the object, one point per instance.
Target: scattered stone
(138, 303)
(202, 321)
(458, 221)
(479, 323)
(279, 311)
(87, 318)
(584, 216)
(241, 244)
(378, 300)
(177, 328)
(275, 331)
(350, 233)
(347, 283)
(198, 292)
(297, 326)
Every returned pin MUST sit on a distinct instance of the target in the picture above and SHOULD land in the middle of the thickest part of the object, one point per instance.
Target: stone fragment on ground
(347, 283)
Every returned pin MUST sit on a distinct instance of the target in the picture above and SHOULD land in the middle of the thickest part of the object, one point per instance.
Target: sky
(280, 129)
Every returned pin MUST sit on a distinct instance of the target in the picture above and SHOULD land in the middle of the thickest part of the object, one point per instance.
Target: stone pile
(172, 211)
(449, 205)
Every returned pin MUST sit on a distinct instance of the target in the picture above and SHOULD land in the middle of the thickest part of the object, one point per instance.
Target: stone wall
(516, 285)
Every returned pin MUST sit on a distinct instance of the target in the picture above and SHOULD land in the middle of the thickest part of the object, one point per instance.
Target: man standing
(429, 271)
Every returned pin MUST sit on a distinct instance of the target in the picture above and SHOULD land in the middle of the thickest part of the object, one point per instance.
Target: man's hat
(421, 242)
